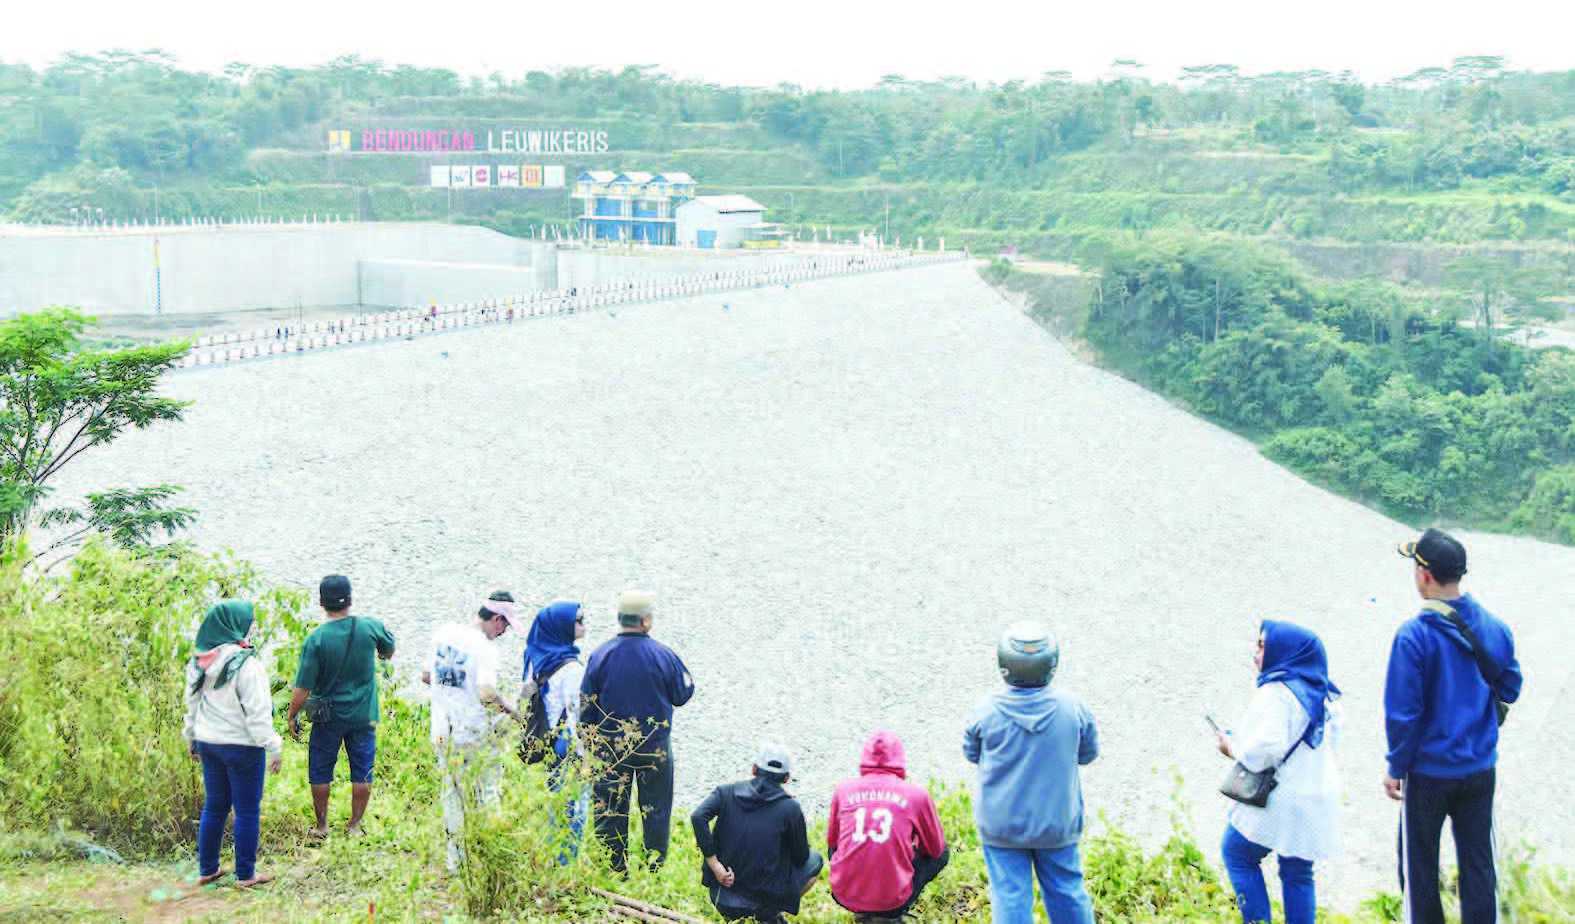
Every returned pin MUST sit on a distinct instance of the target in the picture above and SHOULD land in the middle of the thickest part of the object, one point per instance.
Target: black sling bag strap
(1253, 788)
(318, 708)
(1490, 672)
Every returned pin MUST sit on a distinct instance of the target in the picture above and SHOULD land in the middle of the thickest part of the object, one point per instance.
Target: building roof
(675, 179)
(596, 176)
(637, 177)
(726, 204)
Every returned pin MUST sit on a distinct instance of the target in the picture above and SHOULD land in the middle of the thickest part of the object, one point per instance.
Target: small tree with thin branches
(58, 400)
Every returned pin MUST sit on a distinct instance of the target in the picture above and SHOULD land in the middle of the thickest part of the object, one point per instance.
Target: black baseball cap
(334, 592)
(1438, 552)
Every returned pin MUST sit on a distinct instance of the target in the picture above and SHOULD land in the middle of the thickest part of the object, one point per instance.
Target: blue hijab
(1295, 657)
(551, 639)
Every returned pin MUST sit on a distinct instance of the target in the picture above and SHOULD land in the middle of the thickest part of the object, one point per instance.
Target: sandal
(212, 877)
(256, 880)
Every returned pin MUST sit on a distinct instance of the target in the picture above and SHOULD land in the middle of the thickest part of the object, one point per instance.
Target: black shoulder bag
(1490, 672)
(1251, 788)
(317, 707)
(536, 741)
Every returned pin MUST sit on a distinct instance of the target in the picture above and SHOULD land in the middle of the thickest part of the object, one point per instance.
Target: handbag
(1253, 787)
(317, 707)
(1490, 672)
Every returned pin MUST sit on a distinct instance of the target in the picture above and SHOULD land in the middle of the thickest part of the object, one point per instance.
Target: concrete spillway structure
(841, 492)
(238, 267)
(181, 269)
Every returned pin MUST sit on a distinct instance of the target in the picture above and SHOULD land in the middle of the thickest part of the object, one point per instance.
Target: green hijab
(226, 623)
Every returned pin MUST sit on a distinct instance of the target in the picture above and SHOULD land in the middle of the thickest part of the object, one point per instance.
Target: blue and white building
(632, 206)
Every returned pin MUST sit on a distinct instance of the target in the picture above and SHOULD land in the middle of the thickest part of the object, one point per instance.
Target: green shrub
(90, 733)
(90, 754)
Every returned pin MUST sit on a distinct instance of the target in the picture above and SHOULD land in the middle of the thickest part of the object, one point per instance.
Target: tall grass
(90, 748)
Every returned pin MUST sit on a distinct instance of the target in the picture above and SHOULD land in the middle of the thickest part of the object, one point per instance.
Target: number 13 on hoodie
(882, 831)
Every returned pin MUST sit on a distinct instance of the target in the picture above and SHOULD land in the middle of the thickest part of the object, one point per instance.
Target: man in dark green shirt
(338, 673)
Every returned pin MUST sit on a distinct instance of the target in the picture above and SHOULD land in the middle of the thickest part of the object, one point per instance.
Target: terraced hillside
(1473, 156)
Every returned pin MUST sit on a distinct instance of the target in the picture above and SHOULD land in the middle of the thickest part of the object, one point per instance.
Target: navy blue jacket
(1438, 711)
(633, 676)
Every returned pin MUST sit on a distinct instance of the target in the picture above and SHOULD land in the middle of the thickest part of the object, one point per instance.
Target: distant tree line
(139, 112)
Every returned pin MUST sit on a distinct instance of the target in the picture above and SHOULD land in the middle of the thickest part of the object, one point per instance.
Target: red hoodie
(877, 822)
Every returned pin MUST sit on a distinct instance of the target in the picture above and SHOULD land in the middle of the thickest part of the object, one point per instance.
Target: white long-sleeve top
(1302, 818)
(563, 694)
(240, 712)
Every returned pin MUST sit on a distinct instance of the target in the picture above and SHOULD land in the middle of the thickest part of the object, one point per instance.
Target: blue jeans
(322, 752)
(1243, 863)
(560, 777)
(1060, 872)
(232, 778)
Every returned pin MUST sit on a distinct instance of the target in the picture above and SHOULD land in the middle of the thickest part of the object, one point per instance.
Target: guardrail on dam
(262, 343)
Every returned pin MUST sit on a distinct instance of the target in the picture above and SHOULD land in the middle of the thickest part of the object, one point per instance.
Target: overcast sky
(814, 43)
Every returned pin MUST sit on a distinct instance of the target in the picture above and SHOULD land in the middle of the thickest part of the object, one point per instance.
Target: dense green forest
(1353, 384)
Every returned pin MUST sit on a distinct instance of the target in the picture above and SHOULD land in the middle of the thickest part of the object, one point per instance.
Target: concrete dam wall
(239, 267)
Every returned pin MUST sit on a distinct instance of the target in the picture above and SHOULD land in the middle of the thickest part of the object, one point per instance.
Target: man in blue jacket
(628, 694)
(1441, 711)
(1029, 741)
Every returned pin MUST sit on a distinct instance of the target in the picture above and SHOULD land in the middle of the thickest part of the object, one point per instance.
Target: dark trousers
(232, 779)
(653, 775)
(741, 905)
(925, 869)
(1468, 804)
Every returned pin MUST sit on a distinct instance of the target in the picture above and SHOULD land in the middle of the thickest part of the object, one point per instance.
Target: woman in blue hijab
(1291, 725)
(552, 683)
(550, 643)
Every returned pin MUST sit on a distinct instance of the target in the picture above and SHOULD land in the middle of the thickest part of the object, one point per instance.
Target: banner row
(479, 176)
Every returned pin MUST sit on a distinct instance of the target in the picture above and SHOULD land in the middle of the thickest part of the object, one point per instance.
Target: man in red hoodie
(884, 835)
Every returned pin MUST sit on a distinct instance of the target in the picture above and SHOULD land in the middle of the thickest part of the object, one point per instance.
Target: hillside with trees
(1469, 153)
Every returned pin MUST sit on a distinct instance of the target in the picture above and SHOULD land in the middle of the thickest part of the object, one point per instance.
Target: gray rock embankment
(841, 492)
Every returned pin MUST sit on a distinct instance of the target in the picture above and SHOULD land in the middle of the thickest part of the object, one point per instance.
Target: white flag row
(481, 176)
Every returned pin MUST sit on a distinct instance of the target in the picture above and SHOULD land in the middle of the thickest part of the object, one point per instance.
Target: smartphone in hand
(1209, 718)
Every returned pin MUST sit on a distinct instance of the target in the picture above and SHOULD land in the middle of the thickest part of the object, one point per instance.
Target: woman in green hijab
(229, 728)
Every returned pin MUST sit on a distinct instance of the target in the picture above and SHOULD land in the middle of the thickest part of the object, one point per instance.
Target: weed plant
(91, 757)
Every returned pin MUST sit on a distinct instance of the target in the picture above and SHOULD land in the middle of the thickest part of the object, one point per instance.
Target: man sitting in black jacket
(757, 860)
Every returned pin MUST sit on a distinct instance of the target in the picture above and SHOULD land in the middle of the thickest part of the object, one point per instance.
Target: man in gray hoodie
(1028, 742)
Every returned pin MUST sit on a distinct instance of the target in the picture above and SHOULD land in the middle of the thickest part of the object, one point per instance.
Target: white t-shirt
(461, 661)
(1302, 818)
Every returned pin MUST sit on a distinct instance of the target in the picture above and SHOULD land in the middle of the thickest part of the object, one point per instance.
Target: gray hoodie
(1028, 743)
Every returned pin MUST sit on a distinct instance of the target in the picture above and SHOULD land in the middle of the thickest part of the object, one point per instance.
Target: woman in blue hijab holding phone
(1291, 727)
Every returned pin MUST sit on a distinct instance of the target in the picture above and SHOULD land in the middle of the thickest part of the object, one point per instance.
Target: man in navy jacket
(631, 687)
(1441, 715)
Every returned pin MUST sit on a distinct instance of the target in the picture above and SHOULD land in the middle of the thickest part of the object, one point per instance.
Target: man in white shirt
(462, 669)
